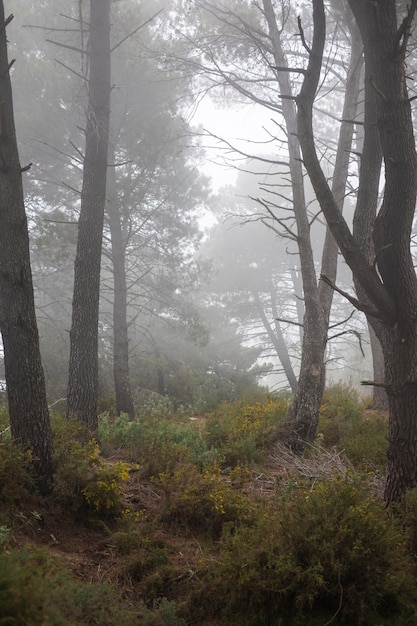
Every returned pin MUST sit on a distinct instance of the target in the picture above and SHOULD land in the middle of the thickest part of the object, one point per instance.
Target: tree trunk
(368, 145)
(28, 409)
(379, 396)
(124, 401)
(83, 363)
(304, 413)
(391, 294)
(277, 339)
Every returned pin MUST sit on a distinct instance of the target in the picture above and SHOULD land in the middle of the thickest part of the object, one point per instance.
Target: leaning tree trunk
(305, 410)
(391, 293)
(124, 401)
(83, 363)
(28, 409)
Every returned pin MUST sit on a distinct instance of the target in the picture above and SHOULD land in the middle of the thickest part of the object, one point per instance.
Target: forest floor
(87, 547)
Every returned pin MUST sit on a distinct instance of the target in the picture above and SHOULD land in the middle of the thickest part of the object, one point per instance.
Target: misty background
(201, 183)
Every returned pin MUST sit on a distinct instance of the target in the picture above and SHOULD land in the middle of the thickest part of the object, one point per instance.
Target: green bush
(36, 590)
(341, 404)
(201, 501)
(17, 487)
(345, 423)
(163, 613)
(243, 432)
(83, 482)
(328, 553)
(157, 443)
(365, 440)
(4, 420)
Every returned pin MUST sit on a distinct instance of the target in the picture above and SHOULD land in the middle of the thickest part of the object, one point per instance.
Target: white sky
(236, 126)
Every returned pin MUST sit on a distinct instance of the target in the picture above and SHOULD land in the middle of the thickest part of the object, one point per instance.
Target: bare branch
(303, 40)
(365, 308)
(136, 30)
(68, 47)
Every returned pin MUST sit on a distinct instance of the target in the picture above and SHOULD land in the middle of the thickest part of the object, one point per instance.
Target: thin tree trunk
(124, 401)
(83, 363)
(304, 413)
(28, 409)
(277, 339)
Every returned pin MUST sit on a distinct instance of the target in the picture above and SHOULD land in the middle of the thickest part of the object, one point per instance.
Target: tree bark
(28, 409)
(379, 396)
(392, 293)
(83, 363)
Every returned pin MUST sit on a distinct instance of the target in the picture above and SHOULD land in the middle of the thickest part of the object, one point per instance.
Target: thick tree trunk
(83, 363)
(124, 402)
(28, 409)
(400, 349)
(392, 294)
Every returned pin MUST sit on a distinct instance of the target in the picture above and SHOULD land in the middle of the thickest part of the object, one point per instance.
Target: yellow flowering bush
(105, 489)
(201, 500)
(84, 481)
(242, 432)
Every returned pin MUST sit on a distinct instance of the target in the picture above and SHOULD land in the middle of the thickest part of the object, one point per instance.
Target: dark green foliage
(331, 551)
(157, 442)
(244, 430)
(345, 423)
(35, 590)
(84, 483)
(17, 486)
(201, 501)
(202, 531)
(163, 613)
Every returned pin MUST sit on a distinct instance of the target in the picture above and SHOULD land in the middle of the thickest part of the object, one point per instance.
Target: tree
(29, 417)
(83, 364)
(247, 52)
(387, 286)
(121, 373)
(251, 281)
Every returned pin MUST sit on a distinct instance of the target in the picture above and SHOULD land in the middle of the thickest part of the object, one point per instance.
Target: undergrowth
(178, 507)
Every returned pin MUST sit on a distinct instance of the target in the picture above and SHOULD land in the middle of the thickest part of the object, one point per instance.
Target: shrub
(201, 501)
(163, 613)
(365, 440)
(329, 553)
(345, 423)
(341, 404)
(17, 487)
(242, 432)
(157, 442)
(83, 481)
(36, 590)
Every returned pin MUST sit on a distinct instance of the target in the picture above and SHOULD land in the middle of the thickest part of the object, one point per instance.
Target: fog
(202, 191)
